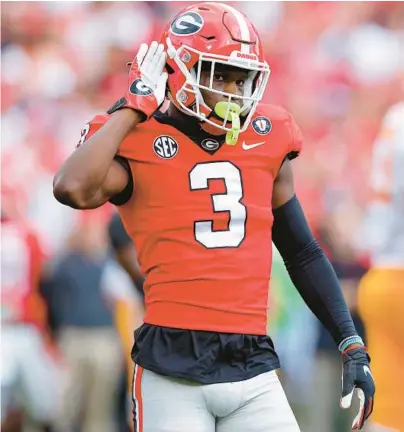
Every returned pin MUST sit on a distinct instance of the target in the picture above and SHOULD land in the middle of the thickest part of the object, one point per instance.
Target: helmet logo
(187, 24)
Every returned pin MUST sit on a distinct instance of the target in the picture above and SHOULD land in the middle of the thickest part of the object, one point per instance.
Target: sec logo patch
(262, 125)
(165, 147)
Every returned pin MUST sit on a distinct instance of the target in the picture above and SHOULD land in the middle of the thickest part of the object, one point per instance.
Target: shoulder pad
(271, 118)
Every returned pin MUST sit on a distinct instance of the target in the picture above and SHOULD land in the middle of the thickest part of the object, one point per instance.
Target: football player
(380, 292)
(202, 190)
(28, 383)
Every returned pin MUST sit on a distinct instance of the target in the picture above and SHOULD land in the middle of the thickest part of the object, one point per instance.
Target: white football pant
(164, 404)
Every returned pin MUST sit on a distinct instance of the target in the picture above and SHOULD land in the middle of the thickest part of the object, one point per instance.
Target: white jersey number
(228, 202)
(84, 133)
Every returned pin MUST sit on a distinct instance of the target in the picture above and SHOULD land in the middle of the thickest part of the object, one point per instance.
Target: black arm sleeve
(117, 234)
(124, 196)
(310, 270)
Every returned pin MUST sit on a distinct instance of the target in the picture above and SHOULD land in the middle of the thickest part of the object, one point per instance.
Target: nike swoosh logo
(251, 146)
(367, 371)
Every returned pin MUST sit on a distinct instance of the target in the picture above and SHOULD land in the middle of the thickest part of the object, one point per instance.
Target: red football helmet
(215, 33)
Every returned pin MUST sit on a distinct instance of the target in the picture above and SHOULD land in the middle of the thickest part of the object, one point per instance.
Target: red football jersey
(201, 219)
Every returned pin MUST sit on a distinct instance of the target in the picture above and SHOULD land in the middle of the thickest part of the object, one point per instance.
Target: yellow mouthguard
(233, 115)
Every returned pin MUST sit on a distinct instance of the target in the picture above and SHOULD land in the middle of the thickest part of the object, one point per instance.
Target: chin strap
(230, 111)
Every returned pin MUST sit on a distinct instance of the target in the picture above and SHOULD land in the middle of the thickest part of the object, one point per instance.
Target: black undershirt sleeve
(310, 270)
(124, 196)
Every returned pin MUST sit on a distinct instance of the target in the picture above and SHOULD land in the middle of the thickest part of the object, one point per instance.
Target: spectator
(125, 252)
(77, 292)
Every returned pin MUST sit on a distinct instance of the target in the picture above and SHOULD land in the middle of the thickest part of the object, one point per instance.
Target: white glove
(152, 62)
(147, 81)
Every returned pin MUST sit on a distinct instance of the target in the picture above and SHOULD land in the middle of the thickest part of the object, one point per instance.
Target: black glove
(356, 374)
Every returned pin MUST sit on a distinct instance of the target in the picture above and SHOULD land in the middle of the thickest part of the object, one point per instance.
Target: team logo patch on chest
(210, 144)
(262, 125)
(165, 147)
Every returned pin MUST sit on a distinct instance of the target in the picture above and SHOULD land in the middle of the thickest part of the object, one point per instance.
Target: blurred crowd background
(336, 67)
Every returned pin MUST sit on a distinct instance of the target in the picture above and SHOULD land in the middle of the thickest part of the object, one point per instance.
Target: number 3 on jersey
(230, 202)
(84, 133)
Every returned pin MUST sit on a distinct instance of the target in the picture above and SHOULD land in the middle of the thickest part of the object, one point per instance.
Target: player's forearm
(317, 283)
(85, 170)
(311, 271)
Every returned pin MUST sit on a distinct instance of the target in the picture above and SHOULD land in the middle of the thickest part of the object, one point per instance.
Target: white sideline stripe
(134, 398)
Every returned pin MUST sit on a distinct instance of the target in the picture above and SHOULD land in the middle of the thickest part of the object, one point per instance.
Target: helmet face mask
(205, 41)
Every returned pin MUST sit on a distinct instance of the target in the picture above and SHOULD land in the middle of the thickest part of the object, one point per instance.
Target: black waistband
(205, 357)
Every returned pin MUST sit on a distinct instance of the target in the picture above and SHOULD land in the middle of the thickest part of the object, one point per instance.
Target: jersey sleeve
(118, 237)
(86, 133)
(296, 141)
(131, 146)
(91, 128)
